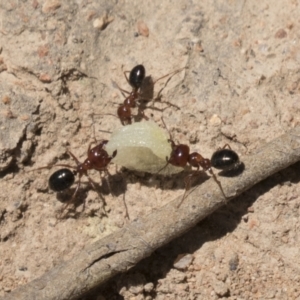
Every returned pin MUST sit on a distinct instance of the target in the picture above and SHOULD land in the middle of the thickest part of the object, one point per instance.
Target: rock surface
(59, 61)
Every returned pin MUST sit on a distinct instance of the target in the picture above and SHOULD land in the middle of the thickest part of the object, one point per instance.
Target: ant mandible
(136, 78)
(97, 159)
(180, 156)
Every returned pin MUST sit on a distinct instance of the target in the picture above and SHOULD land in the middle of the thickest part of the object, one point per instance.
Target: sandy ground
(59, 61)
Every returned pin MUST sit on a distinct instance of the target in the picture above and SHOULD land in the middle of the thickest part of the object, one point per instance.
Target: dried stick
(121, 250)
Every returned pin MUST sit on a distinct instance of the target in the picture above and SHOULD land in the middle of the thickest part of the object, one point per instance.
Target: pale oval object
(142, 146)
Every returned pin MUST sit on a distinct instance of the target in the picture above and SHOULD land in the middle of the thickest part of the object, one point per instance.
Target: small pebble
(215, 120)
(220, 288)
(102, 22)
(148, 287)
(182, 262)
(234, 262)
(50, 6)
(142, 28)
(280, 34)
(45, 78)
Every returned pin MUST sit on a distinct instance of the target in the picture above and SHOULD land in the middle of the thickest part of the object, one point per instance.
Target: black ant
(97, 159)
(180, 156)
(136, 79)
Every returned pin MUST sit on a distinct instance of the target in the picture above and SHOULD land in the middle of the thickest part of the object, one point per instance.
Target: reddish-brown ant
(97, 159)
(136, 79)
(180, 157)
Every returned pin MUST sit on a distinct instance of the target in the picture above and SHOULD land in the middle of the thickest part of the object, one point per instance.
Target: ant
(135, 80)
(97, 159)
(180, 156)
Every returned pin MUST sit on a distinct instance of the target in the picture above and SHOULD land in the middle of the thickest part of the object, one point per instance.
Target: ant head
(136, 76)
(98, 157)
(124, 114)
(180, 155)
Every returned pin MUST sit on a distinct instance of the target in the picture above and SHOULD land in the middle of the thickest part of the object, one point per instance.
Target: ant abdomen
(224, 159)
(136, 76)
(61, 180)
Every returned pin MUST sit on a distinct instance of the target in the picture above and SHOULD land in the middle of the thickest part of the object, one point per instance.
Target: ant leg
(72, 198)
(93, 184)
(92, 115)
(160, 91)
(64, 165)
(141, 113)
(125, 72)
(94, 133)
(74, 157)
(124, 200)
(224, 147)
(123, 91)
(188, 182)
(167, 160)
(106, 178)
(108, 114)
(170, 140)
(126, 209)
(115, 85)
(218, 183)
(158, 97)
(113, 154)
(170, 74)
(51, 166)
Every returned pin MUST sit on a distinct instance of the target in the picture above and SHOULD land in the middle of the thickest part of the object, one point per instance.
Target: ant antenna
(166, 83)
(170, 135)
(169, 140)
